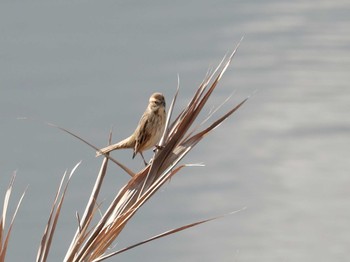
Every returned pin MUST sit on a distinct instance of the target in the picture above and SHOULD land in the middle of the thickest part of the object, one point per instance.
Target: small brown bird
(148, 132)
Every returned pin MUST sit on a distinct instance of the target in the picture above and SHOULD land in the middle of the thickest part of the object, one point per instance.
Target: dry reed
(5, 236)
(92, 242)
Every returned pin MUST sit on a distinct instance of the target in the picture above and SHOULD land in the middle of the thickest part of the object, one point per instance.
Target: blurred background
(90, 66)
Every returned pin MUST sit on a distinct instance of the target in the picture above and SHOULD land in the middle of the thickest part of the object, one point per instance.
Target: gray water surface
(91, 65)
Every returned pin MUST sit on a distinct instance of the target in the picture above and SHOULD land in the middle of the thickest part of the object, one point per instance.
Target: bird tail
(126, 143)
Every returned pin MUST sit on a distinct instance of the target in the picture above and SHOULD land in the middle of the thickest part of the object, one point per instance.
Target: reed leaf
(49, 231)
(5, 236)
(164, 234)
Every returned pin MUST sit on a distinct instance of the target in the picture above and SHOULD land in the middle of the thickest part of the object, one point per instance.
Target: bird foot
(157, 147)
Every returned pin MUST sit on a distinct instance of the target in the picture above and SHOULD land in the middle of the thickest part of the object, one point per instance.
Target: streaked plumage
(148, 131)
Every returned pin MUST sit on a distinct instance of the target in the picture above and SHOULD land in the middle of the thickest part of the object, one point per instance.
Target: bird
(148, 131)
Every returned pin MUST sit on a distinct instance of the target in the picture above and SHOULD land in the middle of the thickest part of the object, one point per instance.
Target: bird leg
(144, 161)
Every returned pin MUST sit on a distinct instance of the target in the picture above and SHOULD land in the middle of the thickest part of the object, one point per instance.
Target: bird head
(156, 101)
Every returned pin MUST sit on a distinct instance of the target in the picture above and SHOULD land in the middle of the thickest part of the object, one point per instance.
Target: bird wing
(142, 134)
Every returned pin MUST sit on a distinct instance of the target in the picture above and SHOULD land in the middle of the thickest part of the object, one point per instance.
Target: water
(91, 65)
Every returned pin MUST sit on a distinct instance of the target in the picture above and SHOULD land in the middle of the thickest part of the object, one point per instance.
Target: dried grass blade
(6, 237)
(215, 110)
(89, 244)
(5, 245)
(156, 185)
(89, 211)
(192, 141)
(54, 224)
(192, 103)
(207, 118)
(202, 87)
(170, 112)
(223, 118)
(200, 98)
(1, 233)
(166, 233)
(102, 238)
(220, 74)
(7, 198)
(58, 211)
(186, 118)
(53, 217)
(83, 234)
(127, 170)
(2, 252)
(206, 96)
(43, 242)
(106, 238)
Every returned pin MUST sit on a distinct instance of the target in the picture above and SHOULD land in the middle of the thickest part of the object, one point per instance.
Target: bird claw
(157, 147)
